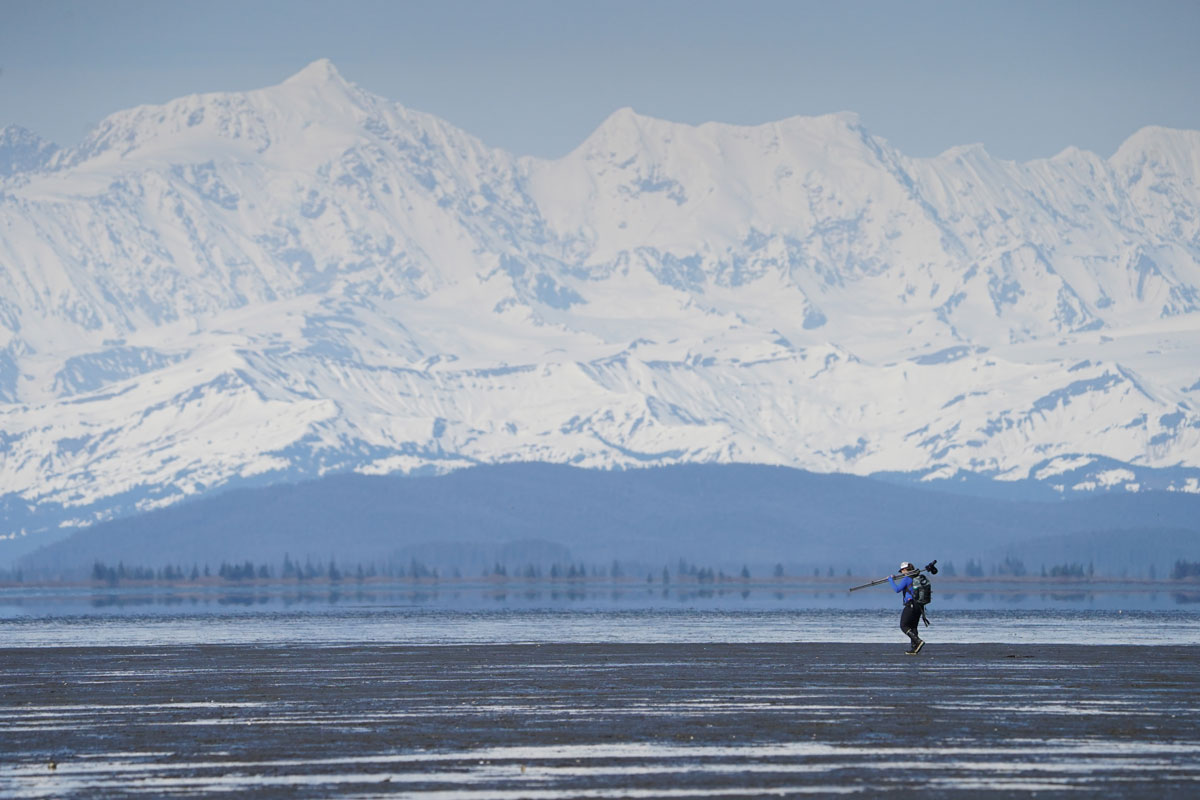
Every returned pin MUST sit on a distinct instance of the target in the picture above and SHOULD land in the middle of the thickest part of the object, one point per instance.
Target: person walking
(913, 587)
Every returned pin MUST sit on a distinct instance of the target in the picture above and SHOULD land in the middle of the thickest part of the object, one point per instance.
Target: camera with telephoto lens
(931, 567)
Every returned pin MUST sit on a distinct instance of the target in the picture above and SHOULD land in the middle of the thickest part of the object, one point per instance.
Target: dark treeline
(1012, 567)
(414, 569)
(247, 571)
(1184, 570)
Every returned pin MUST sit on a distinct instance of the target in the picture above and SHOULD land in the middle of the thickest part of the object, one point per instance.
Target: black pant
(910, 618)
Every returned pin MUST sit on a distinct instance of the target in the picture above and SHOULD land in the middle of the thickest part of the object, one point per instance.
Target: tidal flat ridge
(599, 720)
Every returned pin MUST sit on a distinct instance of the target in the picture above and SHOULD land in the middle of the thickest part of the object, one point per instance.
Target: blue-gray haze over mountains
(721, 516)
(240, 290)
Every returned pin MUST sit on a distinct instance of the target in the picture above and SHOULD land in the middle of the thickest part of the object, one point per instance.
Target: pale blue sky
(1024, 78)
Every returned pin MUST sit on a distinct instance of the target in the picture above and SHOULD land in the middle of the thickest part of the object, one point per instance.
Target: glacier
(251, 288)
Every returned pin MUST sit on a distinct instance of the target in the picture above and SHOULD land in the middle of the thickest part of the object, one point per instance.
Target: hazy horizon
(1024, 80)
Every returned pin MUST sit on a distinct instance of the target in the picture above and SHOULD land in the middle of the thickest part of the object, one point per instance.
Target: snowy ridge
(23, 151)
(307, 278)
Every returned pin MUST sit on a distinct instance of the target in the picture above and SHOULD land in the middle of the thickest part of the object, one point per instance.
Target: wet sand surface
(604, 720)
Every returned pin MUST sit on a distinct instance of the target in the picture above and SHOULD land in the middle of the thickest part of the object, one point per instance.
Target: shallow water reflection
(436, 614)
(18, 602)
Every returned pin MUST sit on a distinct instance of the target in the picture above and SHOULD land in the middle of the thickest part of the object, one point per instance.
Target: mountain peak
(1172, 149)
(319, 93)
(254, 121)
(974, 150)
(626, 118)
(16, 134)
(321, 71)
(319, 84)
(625, 129)
(845, 119)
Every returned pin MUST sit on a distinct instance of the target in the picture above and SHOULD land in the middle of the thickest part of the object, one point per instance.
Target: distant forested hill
(722, 515)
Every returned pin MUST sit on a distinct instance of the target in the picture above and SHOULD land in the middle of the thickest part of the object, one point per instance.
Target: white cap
(906, 565)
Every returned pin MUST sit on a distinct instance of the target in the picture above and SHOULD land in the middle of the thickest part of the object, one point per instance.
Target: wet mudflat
(599, 720)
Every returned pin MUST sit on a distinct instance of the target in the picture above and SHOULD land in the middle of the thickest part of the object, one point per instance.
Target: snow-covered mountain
(23, 151)
(259, 287)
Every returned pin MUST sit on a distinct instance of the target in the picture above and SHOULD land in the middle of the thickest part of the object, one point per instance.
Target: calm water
(401, 614)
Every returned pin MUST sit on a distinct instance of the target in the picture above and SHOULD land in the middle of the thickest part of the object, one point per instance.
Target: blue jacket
(904, 585)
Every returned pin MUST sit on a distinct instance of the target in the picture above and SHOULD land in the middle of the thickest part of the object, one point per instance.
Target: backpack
(922, 590)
